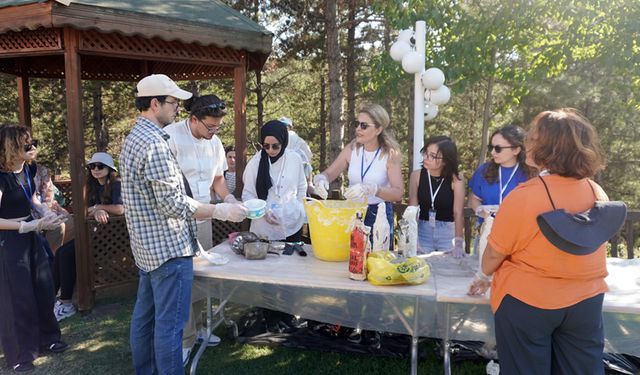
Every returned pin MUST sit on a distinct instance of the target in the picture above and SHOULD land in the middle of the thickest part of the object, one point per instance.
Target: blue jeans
(159, 316)
(438, 238)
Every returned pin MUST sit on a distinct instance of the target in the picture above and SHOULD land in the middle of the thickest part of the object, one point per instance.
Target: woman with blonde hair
(373, 160)
(547, 300)
(26, 285)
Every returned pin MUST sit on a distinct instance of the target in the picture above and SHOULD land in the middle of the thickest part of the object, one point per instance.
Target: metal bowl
(256, 250)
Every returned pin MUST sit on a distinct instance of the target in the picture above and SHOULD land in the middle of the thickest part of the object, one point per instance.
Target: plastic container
(330, 226)
(256, 208)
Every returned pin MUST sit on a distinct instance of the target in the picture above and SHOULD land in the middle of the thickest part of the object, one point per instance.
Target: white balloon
(405, 35)
(399, 49)
(432, 78)
(438, 97)
(413, 62)
(430, 111)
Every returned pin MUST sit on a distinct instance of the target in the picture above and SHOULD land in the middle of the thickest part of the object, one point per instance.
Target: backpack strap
(548, 193)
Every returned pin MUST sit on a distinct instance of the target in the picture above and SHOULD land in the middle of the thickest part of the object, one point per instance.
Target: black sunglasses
(274, 146)
(217, 106)
(31, 145)
(98, 166)
(499, 148)
(361, 124)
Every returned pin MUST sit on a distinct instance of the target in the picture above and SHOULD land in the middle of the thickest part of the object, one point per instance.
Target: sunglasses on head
(220, 106)
(273, 146)
(98, 166)
(31, 145)
(363, 125)
(499, 148)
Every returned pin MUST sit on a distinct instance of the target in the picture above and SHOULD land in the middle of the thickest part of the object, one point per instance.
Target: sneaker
(186, 353)
(56, 347)
(24, 367)
(355, 336)
(63, 310)
(213, 339)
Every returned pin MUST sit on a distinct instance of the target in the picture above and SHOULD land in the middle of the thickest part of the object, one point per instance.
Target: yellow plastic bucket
(330, 227)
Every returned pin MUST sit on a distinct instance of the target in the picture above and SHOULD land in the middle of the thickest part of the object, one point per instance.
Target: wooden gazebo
(125, 41)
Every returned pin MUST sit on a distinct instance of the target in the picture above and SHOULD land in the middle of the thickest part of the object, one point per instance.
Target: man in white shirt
(202, 160)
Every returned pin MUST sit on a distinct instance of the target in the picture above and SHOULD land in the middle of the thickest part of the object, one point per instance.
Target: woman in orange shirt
(547, 303)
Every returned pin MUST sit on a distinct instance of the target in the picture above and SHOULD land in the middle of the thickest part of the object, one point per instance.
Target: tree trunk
(335, 86)
(486, 114)
(194, 87)
(259, 99)
(99, 127)
(323, 123)
(351, 69)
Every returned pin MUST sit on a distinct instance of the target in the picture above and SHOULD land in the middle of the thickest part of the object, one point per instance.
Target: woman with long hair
(104, 198)
(373, 160)
(438, 189)
(547, 301)
(230, 173)
(26, 284)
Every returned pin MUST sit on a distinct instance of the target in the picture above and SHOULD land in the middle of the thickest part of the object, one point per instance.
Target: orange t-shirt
(536, 272)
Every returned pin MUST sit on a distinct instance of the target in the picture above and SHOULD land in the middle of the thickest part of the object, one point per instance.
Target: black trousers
(560, 341)
(64, 270)
(27, 322)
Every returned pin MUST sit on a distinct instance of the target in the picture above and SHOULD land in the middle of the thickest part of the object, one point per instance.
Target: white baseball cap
(160, 85)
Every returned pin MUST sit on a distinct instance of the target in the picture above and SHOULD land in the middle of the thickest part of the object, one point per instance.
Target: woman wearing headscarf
(276, 176)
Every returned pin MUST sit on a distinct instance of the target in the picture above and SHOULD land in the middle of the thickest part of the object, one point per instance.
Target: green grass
(100, 345)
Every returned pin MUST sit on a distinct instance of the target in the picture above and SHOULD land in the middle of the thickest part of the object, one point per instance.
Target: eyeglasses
(173, 104)
(363, 125)
(30, 146)
(220, 106)
(499, 148)
(209, 127)
(98, 166)
(429, 156)
(273, 146)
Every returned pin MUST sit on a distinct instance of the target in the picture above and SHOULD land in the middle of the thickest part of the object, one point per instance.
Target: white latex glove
(479, 284)
(230, 199)
(458, 248)
(485, 210)
(50, 221)
(360, 191)
(322, 185)
(271, 218)
(230, 212)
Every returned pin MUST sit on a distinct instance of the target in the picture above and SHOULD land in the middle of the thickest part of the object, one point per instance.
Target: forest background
(504, 61)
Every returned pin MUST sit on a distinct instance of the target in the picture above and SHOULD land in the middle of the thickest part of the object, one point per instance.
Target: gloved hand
(272, 218)
(230, 199)
(50, 221)
(479, 284)
(321, 184)
(41, 211)
(230, 212)
(458, 248)
(485, 210)
(360, 191)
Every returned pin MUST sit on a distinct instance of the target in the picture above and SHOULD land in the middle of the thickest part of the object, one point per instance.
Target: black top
(444, 200)
(115, 190)
(14, 202)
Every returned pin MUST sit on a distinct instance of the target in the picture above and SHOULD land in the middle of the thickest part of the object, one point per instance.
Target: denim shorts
(439, 238)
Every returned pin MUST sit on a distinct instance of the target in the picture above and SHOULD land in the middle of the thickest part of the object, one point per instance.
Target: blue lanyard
(363, 172)
(24, 190)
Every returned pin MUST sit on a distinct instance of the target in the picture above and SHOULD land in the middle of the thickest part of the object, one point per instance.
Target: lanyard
(29, 194)
(363, 172)
(433, 195)
(503, 188)
(277, 185)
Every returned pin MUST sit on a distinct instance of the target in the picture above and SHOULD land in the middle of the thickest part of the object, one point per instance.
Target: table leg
(445, 340)
(219, 314)
(414, 355)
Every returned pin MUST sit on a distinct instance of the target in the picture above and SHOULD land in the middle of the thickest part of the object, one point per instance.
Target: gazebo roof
(188, 39)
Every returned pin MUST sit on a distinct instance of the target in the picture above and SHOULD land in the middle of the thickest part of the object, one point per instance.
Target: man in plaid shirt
(161, 222)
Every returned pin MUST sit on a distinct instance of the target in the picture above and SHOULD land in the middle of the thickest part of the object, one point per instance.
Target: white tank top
(377, 173)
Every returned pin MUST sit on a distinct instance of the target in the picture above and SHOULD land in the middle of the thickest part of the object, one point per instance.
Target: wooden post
(84, 264)
(240, 115)
(24, 101)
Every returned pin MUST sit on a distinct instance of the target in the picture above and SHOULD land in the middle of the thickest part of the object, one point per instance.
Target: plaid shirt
(157, 209)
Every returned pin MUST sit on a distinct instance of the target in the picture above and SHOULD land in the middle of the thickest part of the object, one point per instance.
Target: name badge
(432, 219)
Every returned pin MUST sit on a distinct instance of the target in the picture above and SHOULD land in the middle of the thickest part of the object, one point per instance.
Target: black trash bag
(467, 351)
(267, 327)
(621, 363)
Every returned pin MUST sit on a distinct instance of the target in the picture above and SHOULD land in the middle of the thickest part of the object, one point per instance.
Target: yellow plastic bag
(382, 271)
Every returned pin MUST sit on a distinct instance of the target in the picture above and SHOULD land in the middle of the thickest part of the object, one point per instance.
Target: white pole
(419, 35)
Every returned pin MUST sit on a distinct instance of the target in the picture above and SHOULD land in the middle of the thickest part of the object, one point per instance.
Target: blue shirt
(157, 209)
(488, 193)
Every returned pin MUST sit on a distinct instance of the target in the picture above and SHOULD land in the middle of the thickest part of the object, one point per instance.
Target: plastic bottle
(493, 368)
(410, 215)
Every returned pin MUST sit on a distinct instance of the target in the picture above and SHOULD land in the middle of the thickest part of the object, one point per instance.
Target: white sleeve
(220, 159)
(249, 179)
